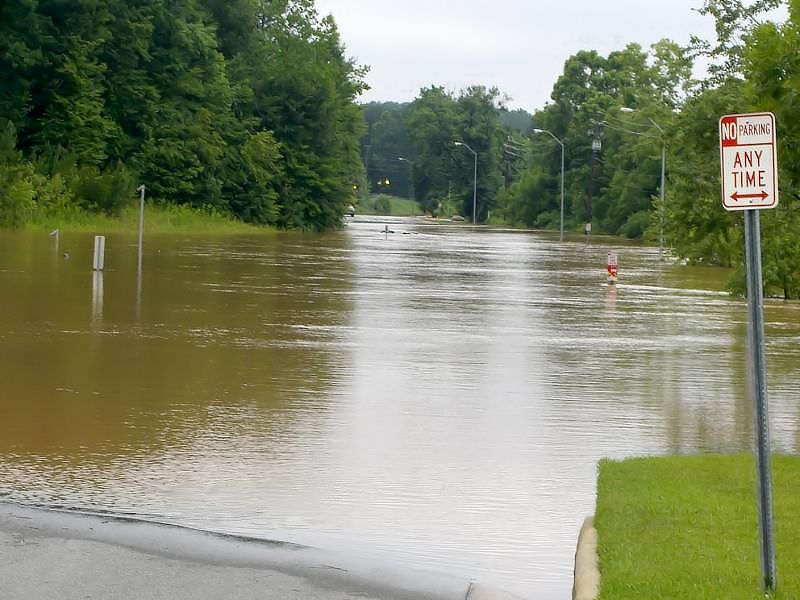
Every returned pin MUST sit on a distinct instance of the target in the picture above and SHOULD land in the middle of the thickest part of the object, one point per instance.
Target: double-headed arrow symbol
(737, 196)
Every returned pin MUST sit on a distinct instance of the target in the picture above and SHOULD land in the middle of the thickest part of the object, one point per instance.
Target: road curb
(586, 585)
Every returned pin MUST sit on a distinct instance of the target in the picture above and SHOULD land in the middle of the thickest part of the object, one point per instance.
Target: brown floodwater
(438, 396)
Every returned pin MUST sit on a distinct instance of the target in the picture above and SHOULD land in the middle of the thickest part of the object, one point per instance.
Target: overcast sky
(520, 46)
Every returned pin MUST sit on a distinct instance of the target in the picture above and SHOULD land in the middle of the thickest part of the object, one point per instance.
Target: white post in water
(97, 296)
(99, 252)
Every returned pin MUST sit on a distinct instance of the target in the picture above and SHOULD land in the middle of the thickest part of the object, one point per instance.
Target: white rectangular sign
(749, 161)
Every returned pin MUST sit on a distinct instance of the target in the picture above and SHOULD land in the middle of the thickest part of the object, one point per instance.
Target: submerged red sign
(749, 161)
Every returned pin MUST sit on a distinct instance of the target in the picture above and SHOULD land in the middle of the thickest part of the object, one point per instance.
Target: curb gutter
(586, 584)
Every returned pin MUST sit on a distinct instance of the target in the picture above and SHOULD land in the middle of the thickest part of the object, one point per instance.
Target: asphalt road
(67, 556)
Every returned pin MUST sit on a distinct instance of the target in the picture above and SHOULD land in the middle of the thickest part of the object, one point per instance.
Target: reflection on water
(439, 395)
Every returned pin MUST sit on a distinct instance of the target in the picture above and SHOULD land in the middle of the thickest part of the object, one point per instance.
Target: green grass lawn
(687, 527)
(386, 205)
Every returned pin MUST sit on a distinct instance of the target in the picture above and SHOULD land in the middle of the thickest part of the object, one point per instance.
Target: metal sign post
(758, 385)
(748, 157)
(141, 190)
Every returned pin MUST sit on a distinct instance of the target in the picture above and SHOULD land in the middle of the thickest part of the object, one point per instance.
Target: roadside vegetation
(157, 219)
(243, 106)
(687, 527)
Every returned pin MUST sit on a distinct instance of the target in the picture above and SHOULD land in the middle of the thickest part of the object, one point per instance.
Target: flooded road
(438, 396)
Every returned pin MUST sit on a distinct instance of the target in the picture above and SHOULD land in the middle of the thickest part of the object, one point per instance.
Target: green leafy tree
(754, 69)
(21, 57)
(252, 191)
(529, 202)
(432, 125)
(697, 227)
(66, 91)
(772, 82)
(733, 21)
(16, 188)
(182, 156)
(443, 170)
(517, 120)
(244, 106)
(294, 80)
(613, 162)
(133, 86)
(391, 154)
(481, 128)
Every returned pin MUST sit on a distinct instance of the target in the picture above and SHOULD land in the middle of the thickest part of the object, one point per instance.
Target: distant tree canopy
(517, 120)
(414, 145)
(243, 106)
(612, 158)
(387, 150)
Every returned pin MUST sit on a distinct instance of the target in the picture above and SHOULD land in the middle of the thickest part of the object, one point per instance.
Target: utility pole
(597, 144)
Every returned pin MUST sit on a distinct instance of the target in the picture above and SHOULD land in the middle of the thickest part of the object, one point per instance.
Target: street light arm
(457, 143)
(627, 109)
(656, 125)
(474, 180)
(551, 134)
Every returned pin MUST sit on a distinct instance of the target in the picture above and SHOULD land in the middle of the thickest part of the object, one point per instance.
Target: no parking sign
(749, 161)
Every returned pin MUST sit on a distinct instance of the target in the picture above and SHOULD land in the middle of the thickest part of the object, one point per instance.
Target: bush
(636, 225)
(16, 198)
(109, 192)
(383, 206)
(550, 219)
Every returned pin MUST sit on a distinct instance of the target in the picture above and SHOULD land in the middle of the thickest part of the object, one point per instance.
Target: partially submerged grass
(687, 527)
(387, 205)
(157, 219)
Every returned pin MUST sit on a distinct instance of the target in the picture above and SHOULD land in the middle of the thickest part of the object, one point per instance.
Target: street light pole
(560, 143)
(625, 109)
(662, 207)
(474, 182)
(409, 188)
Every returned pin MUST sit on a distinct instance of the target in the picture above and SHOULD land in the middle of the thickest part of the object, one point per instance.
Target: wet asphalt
(69, 556)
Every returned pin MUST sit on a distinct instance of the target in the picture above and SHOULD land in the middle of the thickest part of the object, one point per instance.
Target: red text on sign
(747, 172)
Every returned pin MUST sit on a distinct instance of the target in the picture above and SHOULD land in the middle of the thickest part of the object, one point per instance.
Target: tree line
(612, 157)
(242, 107)
(423, 149)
